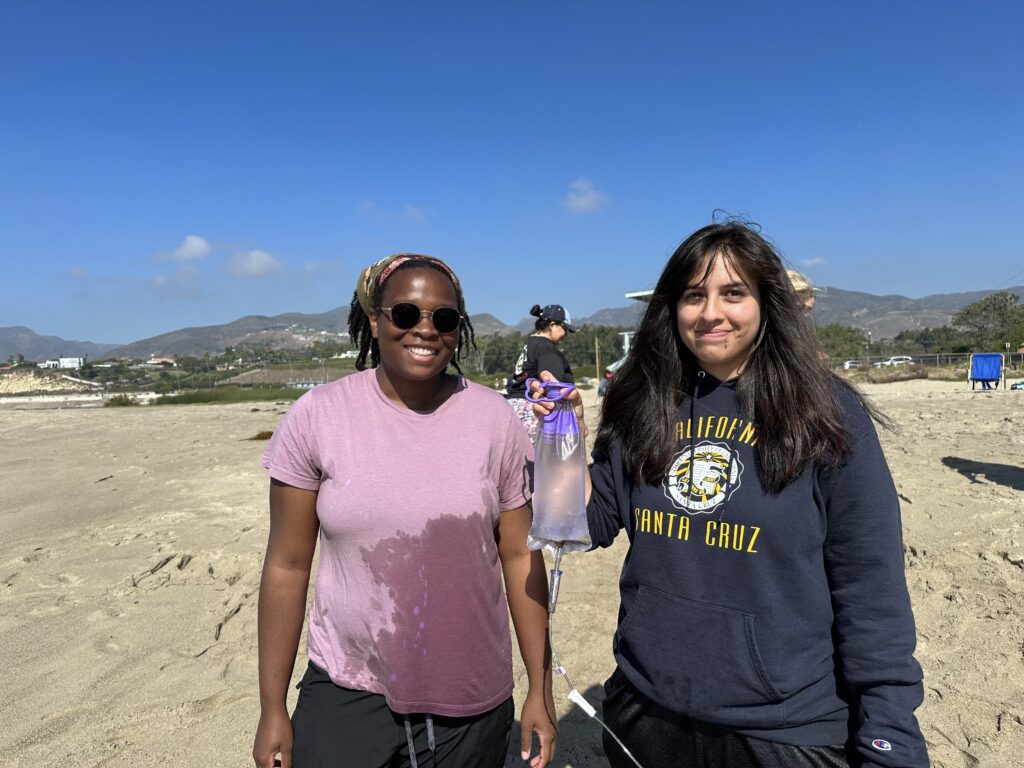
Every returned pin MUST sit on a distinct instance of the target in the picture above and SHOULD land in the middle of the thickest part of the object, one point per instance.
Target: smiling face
(421, 353)
(718, 316)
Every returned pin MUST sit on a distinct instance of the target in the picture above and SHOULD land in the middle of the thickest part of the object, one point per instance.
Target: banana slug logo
(701, 483)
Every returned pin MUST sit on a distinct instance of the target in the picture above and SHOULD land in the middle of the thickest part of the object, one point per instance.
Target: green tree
(495, 353)
(1016, 336)
(324, 348)
(842, 341)
(932, 340)
(990, 322)
(579, 346)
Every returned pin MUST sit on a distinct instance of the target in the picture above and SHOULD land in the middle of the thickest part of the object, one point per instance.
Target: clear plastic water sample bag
(559, 492)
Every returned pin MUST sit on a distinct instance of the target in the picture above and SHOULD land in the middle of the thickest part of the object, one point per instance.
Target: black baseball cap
(556, 313)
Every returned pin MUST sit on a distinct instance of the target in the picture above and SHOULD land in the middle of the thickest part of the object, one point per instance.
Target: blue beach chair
(987, 370)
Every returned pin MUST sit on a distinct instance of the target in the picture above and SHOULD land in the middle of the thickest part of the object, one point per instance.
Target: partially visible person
(764, 617)
(540, 353)
(803, 287)
(417, 483)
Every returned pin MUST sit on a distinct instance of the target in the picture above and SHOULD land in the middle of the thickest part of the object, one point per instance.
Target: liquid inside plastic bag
(559, 491)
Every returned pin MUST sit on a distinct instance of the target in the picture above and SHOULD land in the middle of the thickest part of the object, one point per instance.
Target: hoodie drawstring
(693, 456)
(412, 744)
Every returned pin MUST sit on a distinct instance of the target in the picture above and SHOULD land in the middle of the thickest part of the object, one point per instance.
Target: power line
(1010, 279)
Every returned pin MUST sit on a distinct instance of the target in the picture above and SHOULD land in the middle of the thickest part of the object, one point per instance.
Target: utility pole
(627, 336)
(597, 358)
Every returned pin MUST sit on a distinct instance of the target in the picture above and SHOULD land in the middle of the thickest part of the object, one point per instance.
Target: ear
(373, 323)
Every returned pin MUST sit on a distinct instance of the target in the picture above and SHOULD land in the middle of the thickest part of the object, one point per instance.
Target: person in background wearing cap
(417, 483)
(540, 353)
(804, 289)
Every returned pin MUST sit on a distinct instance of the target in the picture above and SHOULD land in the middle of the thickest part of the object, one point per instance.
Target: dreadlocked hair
(361, 333)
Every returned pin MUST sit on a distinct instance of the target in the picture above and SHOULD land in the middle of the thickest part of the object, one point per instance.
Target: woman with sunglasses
(764, 618)
(540, 353)
(416, 482)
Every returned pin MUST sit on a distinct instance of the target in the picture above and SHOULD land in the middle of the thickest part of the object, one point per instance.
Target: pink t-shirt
(409, 600)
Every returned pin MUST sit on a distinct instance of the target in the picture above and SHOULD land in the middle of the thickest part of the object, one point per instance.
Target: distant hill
(625, 317)
(884, 316)
(289, 329)
(485, 324)
(18, 339)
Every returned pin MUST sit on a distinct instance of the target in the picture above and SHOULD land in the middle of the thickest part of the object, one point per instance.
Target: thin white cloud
(183, 283)
(412, 213)
(408, 212)
(192, 248)
(253, 264)
(584, 196)
(77, 273)
(817, 261)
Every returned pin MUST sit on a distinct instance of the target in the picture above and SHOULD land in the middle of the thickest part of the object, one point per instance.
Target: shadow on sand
(1001, 474)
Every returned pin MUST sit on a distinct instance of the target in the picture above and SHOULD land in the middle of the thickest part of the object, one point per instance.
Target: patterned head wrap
(375, 275)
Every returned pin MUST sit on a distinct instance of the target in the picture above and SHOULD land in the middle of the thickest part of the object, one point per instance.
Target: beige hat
(800, 282)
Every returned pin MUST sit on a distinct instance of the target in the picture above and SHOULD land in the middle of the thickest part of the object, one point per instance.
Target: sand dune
(131, 541)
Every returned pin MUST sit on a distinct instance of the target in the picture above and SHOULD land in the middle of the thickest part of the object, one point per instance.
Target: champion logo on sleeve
(881, 745)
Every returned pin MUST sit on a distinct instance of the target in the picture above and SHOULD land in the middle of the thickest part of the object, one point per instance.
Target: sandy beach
(131, 541)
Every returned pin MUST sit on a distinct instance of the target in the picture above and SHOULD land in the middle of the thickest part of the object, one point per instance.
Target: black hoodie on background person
(783, 617)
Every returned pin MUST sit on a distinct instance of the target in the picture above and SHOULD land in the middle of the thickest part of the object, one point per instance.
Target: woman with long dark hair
(764, 617)
(416, 483)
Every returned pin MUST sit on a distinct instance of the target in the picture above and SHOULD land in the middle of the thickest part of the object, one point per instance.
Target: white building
(64, 363)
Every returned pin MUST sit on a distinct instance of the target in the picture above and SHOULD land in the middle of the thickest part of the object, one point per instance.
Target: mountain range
(883, 316)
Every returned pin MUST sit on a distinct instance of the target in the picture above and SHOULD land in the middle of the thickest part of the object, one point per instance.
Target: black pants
(659, 738)
(338, 727)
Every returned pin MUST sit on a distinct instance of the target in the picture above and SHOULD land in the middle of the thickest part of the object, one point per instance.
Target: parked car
(609, 372)
(897, 360)
(848, 364)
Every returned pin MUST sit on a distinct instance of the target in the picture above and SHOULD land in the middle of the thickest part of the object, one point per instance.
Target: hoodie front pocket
(698, 659)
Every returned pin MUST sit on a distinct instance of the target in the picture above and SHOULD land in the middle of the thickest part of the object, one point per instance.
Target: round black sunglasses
(406, 315)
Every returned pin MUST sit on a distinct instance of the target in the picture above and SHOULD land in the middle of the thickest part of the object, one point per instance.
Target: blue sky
(165, 165)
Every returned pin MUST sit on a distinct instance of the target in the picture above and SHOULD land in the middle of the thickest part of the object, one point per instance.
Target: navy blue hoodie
(784, 617)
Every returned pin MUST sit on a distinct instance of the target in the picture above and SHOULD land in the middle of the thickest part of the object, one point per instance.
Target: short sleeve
(550, 359)
(292, 456)
(515, 481)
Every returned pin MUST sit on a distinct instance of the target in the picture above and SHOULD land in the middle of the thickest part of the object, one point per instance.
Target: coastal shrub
(229, 395)
(889, 374)
(119, 401)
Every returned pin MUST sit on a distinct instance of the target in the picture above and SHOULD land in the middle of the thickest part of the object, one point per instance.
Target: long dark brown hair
(786, 389)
